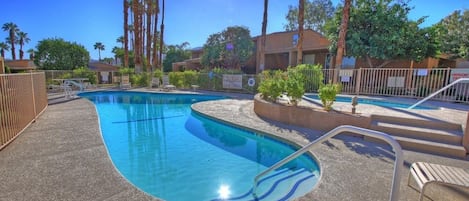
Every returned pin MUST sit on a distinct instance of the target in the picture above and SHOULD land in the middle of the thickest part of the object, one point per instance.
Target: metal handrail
(399, 161)
(439, 91)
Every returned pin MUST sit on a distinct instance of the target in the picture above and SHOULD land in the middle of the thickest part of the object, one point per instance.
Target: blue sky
(89, 21)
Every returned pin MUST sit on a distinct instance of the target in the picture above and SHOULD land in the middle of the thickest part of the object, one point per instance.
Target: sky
(89, 21)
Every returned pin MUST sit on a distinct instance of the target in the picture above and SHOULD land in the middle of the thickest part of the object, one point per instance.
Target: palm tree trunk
(299, 46)
(126, 34)
(155, 33)
(21, 50)
(137, 34)
(263, 39)
(161, 38)
(341, 40)
(149, 36)
(12, 43)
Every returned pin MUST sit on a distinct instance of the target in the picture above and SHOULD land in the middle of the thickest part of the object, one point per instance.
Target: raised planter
(317, 119)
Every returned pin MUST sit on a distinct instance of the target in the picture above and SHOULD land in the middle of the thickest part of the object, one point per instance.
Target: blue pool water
(162, 147)
(377, 102)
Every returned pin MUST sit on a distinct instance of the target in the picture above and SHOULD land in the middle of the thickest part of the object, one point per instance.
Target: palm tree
(149, 12)
(299, 46)
(12, 28)
(126, 34)
(99, 46)
(264, 30)
(137, 35)
(161, 37)
(342, 34)
(155, 33)
(22, 39)
(31, 54)
(120, 40)
(4, 47)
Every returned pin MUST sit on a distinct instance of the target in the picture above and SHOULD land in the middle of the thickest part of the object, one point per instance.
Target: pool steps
(269, 186)
(430, 136)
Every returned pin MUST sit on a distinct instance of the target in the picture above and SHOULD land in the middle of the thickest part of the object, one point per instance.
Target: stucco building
(281, 52)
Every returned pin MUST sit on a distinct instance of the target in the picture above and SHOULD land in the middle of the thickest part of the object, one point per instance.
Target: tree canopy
(230, 48)
(454, 34)
(316, 13)
(381, 30)
(57, 54)
(175, 53)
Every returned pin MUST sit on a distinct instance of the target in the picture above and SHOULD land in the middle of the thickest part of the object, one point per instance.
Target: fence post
(358, 81)
(33, 96)
(465, 139)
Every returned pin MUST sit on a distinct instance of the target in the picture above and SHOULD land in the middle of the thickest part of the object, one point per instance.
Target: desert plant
(327, 94)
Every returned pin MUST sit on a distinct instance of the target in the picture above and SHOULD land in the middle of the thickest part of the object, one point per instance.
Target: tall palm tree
(31, 54)
(155, 33)
(22, 39)
(137, 35)
(120, 40)
(4, 47)
(99, 46)
(342, 34)
(263, 38)
(299, 46)
(161, 37)
(149, 12)
(12, 29)
(126, 34)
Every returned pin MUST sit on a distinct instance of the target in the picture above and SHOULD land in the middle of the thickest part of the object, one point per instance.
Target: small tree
(381, 30)
(454, 30)
(231, 48)
(175, 53)
(316, 13)
(57, 54)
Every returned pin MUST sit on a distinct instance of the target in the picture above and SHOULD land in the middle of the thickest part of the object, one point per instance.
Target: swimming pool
(158, 144)
(377, 102)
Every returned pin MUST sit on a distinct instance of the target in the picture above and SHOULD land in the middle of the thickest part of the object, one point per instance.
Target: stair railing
(398, 163)
(439, 91)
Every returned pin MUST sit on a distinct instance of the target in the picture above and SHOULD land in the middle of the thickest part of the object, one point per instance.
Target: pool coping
(61, 157)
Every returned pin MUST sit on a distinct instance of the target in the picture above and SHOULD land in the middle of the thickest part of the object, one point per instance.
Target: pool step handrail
(439, 91)
(398, 163)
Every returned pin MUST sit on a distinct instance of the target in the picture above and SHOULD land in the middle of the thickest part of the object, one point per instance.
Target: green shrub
(176, 79)
(157, 73)
(140, 80)
(184, 79)
(313, 75)
(83, 72)
(294, 85)
(190, 78)
(327, 94)
(126, 71)
(65, 76)
(272, 84)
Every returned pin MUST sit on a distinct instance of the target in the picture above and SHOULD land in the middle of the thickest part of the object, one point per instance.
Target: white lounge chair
(166, 85)
(427, 173)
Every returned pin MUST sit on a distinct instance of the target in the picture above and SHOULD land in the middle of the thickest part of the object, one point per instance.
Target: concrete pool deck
(62, 157)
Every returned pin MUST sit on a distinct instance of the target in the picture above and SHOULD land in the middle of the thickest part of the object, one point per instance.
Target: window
(348, 62)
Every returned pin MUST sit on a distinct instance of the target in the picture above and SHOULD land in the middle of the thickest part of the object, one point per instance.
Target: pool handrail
(437, 92)
(398, 163)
